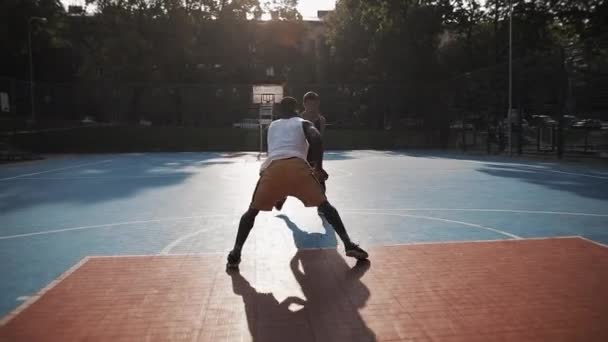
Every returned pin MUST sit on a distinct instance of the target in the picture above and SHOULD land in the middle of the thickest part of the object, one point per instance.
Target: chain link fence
(556, 110)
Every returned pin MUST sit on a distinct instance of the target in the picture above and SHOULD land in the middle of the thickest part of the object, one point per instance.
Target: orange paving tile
(531, 290)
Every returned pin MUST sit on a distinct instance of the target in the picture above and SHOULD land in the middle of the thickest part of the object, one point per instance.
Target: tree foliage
(460, 49)
(450, 53)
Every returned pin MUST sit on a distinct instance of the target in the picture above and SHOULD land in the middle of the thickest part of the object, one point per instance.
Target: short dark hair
(311, 95)
(288, 105)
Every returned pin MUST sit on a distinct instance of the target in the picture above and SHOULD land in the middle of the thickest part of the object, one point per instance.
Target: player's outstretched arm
(316, 144)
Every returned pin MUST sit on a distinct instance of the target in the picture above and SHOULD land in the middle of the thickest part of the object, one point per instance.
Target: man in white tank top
(287, 173)
(286, 139)
(311, 113)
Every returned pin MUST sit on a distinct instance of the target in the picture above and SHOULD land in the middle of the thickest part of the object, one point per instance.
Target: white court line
(58, 169)
(108, 225)
(32, 299)
(540, 168)
(170, 246)
(573, 174)
(378, 246)
(513, 236)
(485, 210)
(103, 177)
(181, 239)
(449, 242)
(166, 159)
(153, 255)
(532, 167)
(356, 211)
(594, 242)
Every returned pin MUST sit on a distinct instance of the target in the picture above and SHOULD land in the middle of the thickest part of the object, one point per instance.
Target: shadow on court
(580, 185)
(334, 294)
(123, 177)
(555, 175)
(460, 156)
(303, 239)
(339, 155)
(25, 193)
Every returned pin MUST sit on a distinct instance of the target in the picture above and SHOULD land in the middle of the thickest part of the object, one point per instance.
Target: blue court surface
(59, 210)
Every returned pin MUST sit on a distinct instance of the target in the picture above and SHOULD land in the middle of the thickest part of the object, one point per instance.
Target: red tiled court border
(35, 297)
(509, 290)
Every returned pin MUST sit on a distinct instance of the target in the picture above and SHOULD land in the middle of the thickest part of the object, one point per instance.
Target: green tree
(14, 16)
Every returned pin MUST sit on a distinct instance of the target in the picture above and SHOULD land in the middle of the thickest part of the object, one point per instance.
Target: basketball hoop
(265, 116)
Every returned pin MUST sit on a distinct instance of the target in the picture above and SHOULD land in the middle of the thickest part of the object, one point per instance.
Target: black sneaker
(353, 250)
(234, 259)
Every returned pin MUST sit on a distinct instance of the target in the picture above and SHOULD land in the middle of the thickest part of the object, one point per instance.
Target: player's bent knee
(327, 209)
(249, 216)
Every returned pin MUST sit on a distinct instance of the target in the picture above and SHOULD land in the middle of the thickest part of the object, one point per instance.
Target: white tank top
(286, 139)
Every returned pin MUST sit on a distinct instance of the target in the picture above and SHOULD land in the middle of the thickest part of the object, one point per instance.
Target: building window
(270, 71)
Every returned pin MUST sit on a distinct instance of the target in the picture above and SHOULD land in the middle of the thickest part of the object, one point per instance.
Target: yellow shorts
(287, 177)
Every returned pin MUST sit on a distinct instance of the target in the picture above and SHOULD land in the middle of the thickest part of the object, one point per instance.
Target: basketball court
(131, 247)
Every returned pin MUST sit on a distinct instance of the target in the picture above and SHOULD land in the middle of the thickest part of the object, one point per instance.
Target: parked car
(410, 122)
(458, 125)
(570, 120)
(524, 123)
(144, 122)
(247, 124)
(588, 124)
(88, 120)
(543, 121)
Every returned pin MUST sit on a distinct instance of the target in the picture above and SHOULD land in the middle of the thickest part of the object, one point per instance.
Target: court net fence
(555, 111)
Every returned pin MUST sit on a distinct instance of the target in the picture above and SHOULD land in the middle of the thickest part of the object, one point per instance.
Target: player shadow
(303, 239)
(334, 294)
(333, 291)
(267, 318)
(581, 185)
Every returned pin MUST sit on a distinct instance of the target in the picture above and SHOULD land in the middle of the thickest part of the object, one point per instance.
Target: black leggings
(331, 215)
(245, 226)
